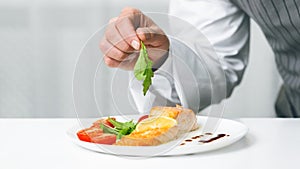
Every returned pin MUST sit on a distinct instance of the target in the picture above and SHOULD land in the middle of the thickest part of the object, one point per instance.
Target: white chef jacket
(226, 28)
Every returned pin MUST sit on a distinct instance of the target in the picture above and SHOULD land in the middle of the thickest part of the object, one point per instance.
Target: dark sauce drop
(188, 140)
(208, 133)
(213, 138)
(195, 137)
(182, 144)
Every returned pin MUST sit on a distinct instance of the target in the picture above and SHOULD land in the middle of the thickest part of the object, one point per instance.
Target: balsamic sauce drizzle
(205, 141)
(212, 139)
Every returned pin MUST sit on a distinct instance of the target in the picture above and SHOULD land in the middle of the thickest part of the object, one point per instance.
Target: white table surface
(43, 144)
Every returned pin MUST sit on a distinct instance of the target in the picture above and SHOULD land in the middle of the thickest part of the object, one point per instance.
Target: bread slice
(150, 138)
(186, 118)
(186, 121)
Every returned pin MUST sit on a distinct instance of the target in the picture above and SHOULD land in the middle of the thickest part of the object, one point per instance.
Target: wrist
(158, 63)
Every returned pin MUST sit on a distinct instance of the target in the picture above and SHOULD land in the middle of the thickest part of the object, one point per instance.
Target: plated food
(198, 141)
(162, 125)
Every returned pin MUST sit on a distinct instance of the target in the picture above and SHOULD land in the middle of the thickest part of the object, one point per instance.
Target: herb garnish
(143, 69)
(120, 129)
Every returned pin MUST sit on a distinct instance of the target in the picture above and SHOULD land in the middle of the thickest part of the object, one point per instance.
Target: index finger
(126, 24)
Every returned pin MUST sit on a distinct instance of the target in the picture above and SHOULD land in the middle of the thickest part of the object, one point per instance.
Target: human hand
(121, 42)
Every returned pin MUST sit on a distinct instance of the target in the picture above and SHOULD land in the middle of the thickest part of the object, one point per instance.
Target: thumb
(145, 34)
(151, 35)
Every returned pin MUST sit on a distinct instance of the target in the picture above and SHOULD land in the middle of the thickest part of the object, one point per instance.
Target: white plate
(233, 129)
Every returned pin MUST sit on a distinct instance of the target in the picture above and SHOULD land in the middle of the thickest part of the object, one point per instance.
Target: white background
(40, 42)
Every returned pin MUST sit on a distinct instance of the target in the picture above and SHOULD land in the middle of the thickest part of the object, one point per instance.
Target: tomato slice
(103, 121)
(108, 123)
(82, 135)
(88, 133)
(143, 118)
(95, 134)
(104, 138)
